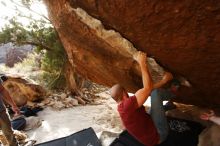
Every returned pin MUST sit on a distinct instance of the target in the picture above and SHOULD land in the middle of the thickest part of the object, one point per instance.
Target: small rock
(51, 103)
(58, 105)
(55, 98)
(55, 95)
(72, 101)
(46, 101)
(80, 100)
(31, 104)
(63, 96)
(41, 104)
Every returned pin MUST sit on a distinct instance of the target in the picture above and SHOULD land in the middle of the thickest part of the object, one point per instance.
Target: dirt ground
(57, 124)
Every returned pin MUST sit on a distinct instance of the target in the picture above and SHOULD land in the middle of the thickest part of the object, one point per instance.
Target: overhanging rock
(183, 36)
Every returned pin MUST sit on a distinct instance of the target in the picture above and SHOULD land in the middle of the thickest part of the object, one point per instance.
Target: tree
(41, 34)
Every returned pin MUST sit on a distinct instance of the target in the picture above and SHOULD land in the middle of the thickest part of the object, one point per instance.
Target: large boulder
(183, 36)
(23, 90)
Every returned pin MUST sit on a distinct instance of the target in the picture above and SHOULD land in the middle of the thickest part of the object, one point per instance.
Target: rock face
(22, 90)
(210, 136)
(184, 37)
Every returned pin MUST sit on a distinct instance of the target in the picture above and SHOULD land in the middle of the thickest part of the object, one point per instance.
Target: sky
(8, 11)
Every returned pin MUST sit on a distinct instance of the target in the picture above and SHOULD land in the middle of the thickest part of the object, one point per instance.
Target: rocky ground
(102, 116)
(58, 122)
(64, 115)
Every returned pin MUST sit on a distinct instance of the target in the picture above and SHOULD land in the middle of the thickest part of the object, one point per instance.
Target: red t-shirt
(137, 122)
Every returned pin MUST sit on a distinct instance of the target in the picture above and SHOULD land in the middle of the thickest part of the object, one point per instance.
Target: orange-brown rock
(22, 90)
(183, 36)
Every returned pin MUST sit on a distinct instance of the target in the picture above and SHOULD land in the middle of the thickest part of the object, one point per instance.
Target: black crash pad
(182, 133)
(86, 137)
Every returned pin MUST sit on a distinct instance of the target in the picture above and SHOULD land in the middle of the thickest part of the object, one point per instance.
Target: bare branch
(45, 17)
(34, 44)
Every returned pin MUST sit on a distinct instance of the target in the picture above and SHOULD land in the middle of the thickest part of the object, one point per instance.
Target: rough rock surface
(20, 136)
(184, 37)
(210, 136)
(22, 90)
